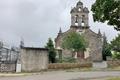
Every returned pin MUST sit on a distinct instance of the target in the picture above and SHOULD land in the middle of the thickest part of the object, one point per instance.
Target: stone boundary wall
(113, 63)
(33, 59)
(7, 67)
(69, 65)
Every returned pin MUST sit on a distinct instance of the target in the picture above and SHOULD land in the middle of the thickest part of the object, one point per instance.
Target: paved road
(62, 75)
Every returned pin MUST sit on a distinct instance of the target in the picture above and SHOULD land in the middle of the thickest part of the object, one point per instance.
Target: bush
(116, 55)
(69, 60)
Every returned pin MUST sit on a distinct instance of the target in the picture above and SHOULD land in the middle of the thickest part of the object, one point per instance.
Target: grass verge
(116, 78)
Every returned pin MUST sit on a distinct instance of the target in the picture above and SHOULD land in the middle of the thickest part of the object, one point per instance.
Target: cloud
(37, 20)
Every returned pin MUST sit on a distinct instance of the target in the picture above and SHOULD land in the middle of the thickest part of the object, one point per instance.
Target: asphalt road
(63, 75)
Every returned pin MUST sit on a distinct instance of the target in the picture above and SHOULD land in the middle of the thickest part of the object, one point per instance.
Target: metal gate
(8, 60)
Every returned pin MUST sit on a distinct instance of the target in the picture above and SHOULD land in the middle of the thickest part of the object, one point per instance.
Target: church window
(76, 20)
(83, 23)
(79, 9)
(76, 23)
(83, 16)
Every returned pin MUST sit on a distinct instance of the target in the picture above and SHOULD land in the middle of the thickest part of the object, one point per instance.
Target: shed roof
(34, 48)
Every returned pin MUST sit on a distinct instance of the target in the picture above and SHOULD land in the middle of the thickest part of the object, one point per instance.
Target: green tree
(51, 50)
(107, 11)
(116, 55)
(74, 41)
(106, 51)
(115, 43)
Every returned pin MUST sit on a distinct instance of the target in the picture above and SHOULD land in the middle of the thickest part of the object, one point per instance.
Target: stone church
(80, 24)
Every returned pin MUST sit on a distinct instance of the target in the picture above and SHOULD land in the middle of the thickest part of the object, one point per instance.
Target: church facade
(80, 24)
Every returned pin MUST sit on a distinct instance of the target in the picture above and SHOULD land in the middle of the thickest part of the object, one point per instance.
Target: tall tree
(107, 11)
(106, 51)
(51, 50)
(115, 43)
(74, 41)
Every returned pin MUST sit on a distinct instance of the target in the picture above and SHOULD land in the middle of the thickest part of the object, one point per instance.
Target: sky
(34, 21)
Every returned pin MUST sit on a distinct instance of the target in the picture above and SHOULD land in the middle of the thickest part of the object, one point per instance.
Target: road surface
(63, 75)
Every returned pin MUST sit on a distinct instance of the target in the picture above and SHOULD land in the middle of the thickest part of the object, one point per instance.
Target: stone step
(99, 65)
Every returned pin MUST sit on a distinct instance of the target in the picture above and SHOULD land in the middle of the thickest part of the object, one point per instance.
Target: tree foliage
(106, 51)
(116, 55)
(115, 43)
(51, 50)
(107, 11)
(74, 41)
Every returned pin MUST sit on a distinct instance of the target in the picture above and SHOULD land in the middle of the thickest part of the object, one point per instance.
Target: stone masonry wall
(95, 45)
(113, 63)
(7, 67)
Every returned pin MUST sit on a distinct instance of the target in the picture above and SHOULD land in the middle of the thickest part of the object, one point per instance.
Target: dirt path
(63, 75)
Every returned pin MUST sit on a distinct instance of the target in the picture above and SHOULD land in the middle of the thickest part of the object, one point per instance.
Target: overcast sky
(37, 20)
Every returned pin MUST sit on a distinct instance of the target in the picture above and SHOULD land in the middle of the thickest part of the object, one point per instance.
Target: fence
(8, 59)
(8, 67)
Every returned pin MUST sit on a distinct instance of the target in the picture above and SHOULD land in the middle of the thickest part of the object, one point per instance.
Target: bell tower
(79, 16)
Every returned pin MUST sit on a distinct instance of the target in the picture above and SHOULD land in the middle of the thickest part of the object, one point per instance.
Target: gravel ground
(63, 75)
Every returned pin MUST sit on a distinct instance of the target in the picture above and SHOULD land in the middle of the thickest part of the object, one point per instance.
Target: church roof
(79, 3)
(60, 31)
(34, 48)
(86, 9)
(99, 33)
(73, 10)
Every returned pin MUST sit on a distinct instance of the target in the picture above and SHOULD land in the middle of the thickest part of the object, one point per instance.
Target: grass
(78, 70)
(117, 78)
(12, 74)
(114, 68)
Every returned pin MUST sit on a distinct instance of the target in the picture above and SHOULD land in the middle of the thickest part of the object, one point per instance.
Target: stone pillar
(79, 21)
(72, 20)
(18, 64)
(18, 68)
(75, 55)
